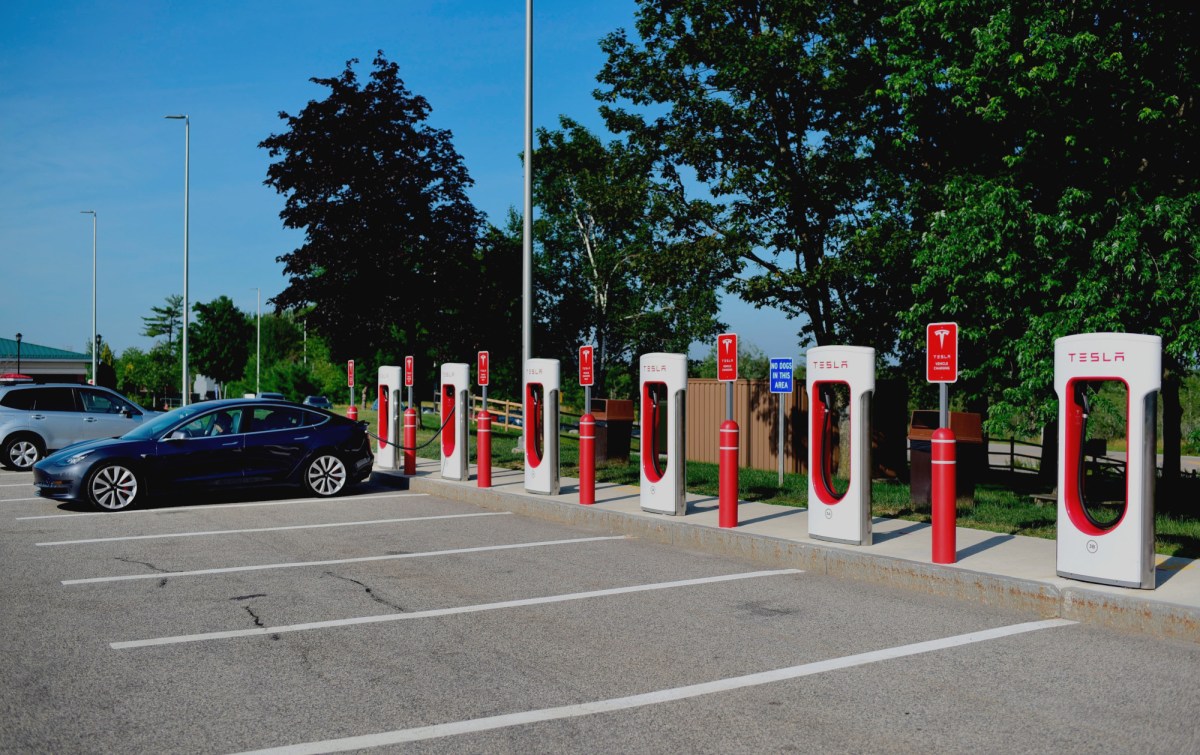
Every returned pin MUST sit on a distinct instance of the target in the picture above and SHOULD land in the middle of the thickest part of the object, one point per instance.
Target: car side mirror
(126, 414)
(177, 435)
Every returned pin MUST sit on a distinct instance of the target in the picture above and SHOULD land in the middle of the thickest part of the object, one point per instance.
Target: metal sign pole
(943, 405)
(781, 421)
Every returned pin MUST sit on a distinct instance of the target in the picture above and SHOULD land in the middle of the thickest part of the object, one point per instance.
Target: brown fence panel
(757, 414)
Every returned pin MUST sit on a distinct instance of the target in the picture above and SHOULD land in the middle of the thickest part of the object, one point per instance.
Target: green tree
(763, 106)
(221, 340)
(610, 267)
(166, 320)
(1055, 146)
(388, 229)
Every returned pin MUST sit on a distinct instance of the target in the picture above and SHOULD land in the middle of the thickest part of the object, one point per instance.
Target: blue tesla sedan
(225, 444)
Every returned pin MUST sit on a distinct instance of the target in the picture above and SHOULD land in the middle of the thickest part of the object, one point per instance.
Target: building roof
(8, 352)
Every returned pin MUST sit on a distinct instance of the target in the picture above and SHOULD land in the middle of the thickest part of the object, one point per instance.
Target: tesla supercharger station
(543, 382)
(840, 517)
(1096, 543)
(390, 432)
(456, 383)
(663, 409)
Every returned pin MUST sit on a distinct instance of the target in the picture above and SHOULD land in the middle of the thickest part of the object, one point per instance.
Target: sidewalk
(1005, 570)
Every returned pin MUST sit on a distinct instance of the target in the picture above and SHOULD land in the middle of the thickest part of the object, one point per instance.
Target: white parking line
(18, 485)
(274, 529)
(287, 502)
(490, 723)
(294, 564)
(14, 500)
(259, 631)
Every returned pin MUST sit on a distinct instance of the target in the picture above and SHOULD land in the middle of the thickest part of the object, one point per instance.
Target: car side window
(18, 399)
(267, 418)
(54, 400)
(308, 419)
(220, 422)
(100, 402)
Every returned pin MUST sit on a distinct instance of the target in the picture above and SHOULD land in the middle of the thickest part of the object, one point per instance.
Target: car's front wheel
(21, 452)
(113, 487)
(326, 475)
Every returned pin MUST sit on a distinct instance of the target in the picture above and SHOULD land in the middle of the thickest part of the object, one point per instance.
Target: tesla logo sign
(941, 350)
(350, 373)
(727, 354)
(482, 367)
(408, 372)
(587, 372)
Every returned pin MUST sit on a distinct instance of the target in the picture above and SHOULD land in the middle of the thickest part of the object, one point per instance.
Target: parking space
(388, 619)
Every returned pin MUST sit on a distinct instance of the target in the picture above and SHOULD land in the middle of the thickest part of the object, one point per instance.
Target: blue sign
(781, 376)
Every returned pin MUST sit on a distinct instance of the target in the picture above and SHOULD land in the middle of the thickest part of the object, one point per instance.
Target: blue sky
(84, 87)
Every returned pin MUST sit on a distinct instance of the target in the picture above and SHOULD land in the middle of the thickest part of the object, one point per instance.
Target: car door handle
(89, 419)
(301, 437)
(228, 445)
(39, 416)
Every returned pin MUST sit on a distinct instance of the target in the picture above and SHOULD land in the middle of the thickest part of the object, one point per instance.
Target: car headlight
(76, 458)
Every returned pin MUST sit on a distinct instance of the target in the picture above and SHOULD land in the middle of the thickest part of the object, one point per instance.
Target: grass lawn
(996, 508)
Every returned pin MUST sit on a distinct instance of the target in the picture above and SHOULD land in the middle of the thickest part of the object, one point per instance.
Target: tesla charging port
(663, 468)
(840, 381)
(1105, 527)
(542, 385)
(455, 379)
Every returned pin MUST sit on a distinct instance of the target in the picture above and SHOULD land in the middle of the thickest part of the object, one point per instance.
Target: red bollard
(352, 412)
(727, 476)
(587, 459)
(410, 441)
(945, 496)
(483, 450)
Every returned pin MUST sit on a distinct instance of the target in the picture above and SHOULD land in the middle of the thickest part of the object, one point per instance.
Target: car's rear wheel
(21, 452)
(113, 487)
(326, 475)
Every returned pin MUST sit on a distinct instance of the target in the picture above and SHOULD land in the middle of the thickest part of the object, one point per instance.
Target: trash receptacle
(614, 428)
(970, 454)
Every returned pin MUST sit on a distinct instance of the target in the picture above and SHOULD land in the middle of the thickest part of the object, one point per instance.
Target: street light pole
(258, 348)
(187, 148)
(95, 341)
(527, 230)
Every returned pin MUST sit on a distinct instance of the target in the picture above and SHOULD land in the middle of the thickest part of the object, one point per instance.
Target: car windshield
(160, 424)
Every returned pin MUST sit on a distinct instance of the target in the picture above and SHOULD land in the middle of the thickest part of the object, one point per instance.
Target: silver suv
(37, 419)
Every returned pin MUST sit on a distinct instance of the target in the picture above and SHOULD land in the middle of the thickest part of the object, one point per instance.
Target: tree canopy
(610, 269)
(388, 229)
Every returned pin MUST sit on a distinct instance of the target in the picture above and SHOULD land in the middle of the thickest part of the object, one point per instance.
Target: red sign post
(941, 366)
(941, 352)
(587, 427)
(350, 374)
(727, 470)
(352, 411)
(408, 372)
(727, 357)
(587, 372)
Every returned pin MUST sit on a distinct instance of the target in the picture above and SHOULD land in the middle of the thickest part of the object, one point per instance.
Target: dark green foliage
(221, 340)
(612, 270)
(389, 232)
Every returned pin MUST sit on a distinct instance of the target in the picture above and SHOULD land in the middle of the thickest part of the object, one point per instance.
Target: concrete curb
(1133, 612)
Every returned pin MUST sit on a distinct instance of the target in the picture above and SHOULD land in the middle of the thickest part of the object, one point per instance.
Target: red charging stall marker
(945, 514)
(410, 441)
(587, 459)
(727, 506)
(484, 449)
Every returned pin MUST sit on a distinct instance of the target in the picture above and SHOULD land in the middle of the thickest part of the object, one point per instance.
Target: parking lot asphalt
(399, 619)
(999, 569)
